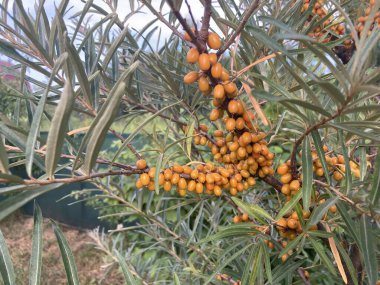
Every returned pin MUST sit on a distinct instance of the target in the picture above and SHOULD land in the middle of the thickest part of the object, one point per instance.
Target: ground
(91, 262)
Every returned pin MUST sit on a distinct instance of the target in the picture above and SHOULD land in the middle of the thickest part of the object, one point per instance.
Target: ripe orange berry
(213, 41)
(230, 124)
(286, 178)
(281, 224)
(244, 217)
(239, 124)
(285, 189)
(167, 186)
(214, 115)
(218, 92)
(139, 184)
(237, 219)
(204, 62)
(225, 76)
(292, 224)
(141, 164)
(168, 174)
(333, 209)
(216, 70)
(337, 176)
(232, 107)
(284, 257)
(192, 55)
(145, 179)
(218, 191)
(230, 87)
(213, 58)
(294, 185)
(191, 77)
(191, 185)
(175, 178)
(203, 84)
(152, 172)
(282, 169)
(199, 188)
(182, 184)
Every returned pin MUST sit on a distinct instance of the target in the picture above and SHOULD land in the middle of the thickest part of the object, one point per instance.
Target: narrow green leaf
(67, 256)
(139, 128)
(248, 265)
(189, 139)
(268, 267)
(321, 251)
(307, 173)
(375, 190)
(368, 249)
(157, 173)
(176, 279)
(348, 176)
(321, 154)
(252, 210)
(347, 260)
(36, 123)
(128, 276)
(113, 48)
(101, 126)
(320, 211)
(18, 200)
(58, 128)
(289, 205)
(238, 230)
(3, 158)
(256, 265)
(6, 265)
(35, 264)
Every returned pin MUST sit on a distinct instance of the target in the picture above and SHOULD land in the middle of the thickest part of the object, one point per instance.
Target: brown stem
(271, 180)
(241, 26)
(76, 178)
(301, 273)
(205, 21)
(201, 46)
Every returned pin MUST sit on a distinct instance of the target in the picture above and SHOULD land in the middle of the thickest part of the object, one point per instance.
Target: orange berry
(244, 217)
(237, 219)
(192, 55)
(230, 124)
(294, 185)
(218, 92)
(213, 58)
(213, 41)
(167, 186)
(214, 115)
(139, 185)
(283, 169)
(204, 62)
(216, 70)
(141, 164)
(286, 178)
(203, 84)
(199, 188)
(292, 224)
(191, 77)
(230, 87)
(145, 179)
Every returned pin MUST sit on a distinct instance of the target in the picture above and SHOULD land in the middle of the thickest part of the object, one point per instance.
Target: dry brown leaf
(255, 104)
(336, 255)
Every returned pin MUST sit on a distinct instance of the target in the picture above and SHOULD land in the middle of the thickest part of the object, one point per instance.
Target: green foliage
(101, 77)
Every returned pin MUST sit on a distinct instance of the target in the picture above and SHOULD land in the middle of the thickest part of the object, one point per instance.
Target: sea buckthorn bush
(245, 144)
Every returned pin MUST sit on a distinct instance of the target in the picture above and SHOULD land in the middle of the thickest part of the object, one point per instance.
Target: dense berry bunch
(363, 19)
(240, 151)
(328, 27)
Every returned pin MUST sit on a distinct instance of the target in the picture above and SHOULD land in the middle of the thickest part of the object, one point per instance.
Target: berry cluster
(227, 279)
(327, 28)
(363, 19)
(240, 149)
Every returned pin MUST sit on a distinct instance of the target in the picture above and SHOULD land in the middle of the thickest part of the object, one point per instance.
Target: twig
(201, 45)
(205, 21)
(271, 180)
(75, 179)
(242, 24)
(192, 17)
(303, 277)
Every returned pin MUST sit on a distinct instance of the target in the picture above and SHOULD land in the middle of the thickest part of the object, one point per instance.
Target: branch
(201, 45)
(242, 24)
(271, 180)
(206, 21)
(76, 178)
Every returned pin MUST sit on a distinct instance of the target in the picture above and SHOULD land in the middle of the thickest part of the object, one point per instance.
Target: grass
(94, 267)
